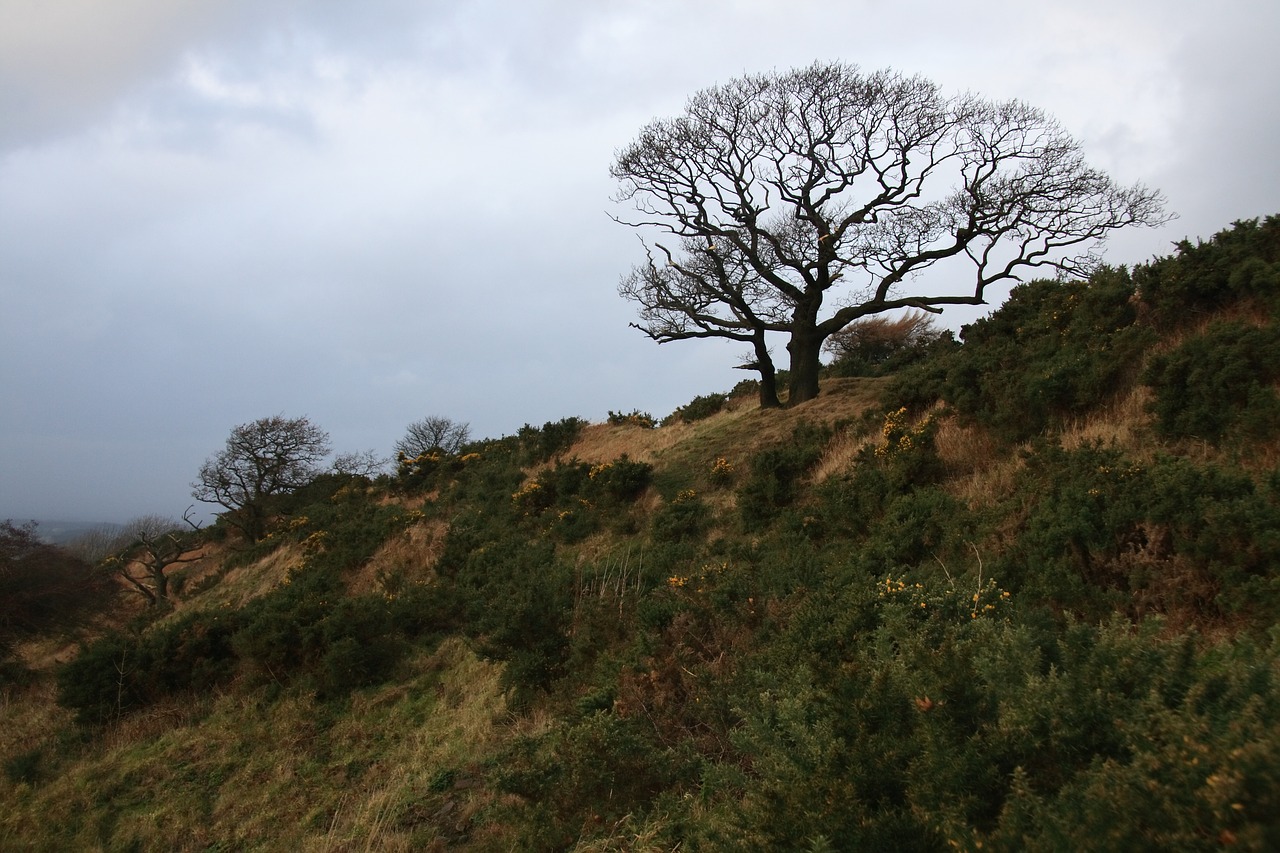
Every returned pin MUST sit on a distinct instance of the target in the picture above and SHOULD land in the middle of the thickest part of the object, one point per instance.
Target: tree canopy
(267, 457)
(802, 201)
(433, 433)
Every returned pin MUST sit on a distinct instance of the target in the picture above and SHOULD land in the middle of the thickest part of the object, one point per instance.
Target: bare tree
(433, 433)
(152, 545)
(364, 463)
(785, 190)
(268, 457)
(99, 542)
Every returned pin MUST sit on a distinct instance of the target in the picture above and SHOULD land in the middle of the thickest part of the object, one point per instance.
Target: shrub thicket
(1241, 263)
(700, 408)
(1053, 350)
(1218, 382)
(774, 481)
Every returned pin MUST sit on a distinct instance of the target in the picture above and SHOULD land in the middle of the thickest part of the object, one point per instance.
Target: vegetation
(1017, 591)
(433, 434)
(270, 457)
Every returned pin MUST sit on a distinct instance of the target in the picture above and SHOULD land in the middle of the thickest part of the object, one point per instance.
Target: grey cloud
(368, 213)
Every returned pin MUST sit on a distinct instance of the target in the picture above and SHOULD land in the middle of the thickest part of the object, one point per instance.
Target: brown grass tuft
(1124, 423)
(840, 453)
(411, 555)
(966, 449)
(990, 484)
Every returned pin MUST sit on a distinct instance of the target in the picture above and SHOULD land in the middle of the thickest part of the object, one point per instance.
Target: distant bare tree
(153, 545)
(271, 456)
(98, 543)
(799, 202)
(365, 463)
(433, 433)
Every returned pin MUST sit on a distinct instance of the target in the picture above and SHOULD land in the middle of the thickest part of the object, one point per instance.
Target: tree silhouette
(268, 457)
(802, 201)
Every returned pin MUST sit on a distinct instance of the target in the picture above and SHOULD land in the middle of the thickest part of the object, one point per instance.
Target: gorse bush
(683, 517)
(1241, 263)
(1218, 382)
(123, 672)
(638, 418)
(1052, 350)
(773, 483)
(620, 480)
(540, 444)
(700, 408)
(1104, 532)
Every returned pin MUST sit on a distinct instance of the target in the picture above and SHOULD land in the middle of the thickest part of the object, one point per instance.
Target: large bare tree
(802, 201)
(270, 456)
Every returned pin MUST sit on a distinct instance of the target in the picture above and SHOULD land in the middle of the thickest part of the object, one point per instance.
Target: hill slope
(1019, 594)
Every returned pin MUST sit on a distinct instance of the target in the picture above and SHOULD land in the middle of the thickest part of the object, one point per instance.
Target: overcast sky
(366, 213)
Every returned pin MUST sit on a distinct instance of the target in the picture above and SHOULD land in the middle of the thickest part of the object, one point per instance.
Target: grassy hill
(1018, 591)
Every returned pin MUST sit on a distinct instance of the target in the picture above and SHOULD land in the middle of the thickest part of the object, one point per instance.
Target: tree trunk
(805, 347)
(769, 389)
(768, 375)
(161, 585)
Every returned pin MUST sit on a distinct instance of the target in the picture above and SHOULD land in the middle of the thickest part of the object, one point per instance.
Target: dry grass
(1123, 423)
(244, 583)
(966, 449)
(410, 555)
(735, 433)
(228, 770)
(990, 485)
(840, 454)
(604, 442)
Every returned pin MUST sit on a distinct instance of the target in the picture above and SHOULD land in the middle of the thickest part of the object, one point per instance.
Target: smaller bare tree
(97, 543)
(433, 433)
(364, 463)
(153, 545)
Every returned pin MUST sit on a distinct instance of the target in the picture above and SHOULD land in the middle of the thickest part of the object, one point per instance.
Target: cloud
(216, 210)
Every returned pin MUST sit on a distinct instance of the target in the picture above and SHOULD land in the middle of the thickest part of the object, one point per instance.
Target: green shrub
(620, 480)
(602, 768)
(120, 672)
(540, 444)
(700, 407)
(682, 518)
(24, 768)
(1102, 532)
(1218, 382)
(636, 418)
(1239, 263)
(775, 476)
(1053, 350)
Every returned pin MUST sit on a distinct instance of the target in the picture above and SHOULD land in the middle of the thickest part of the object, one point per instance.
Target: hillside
(1017, 591)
